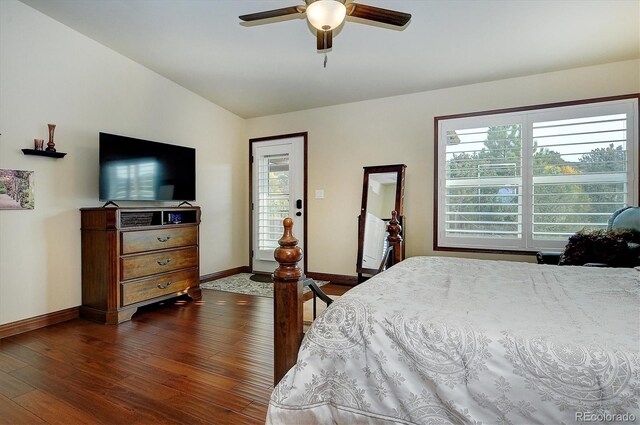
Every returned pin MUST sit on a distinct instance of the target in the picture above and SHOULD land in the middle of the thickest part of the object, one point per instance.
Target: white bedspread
(437, 340)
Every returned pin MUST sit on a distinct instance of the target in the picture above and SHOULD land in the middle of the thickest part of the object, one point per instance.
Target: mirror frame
(399, 208)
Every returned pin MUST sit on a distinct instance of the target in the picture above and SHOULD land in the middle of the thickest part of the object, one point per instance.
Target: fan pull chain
(325, 60)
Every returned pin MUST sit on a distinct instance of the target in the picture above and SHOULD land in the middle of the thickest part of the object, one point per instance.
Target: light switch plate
(319, 193)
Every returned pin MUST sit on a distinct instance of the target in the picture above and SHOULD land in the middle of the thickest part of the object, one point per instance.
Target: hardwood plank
(211, 413)
(14, 414)
(8, 363)
(52, 410)
(237, 366)
(36, 360)
(196, 374)
(142, 384)
(257, 410)
(114, 360)
(254, 392)
(86, 361)
(70, 390)
(208, 393)
(11, 387)
(148, 405)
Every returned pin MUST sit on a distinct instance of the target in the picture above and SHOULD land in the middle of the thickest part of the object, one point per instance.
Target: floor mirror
(382, 193)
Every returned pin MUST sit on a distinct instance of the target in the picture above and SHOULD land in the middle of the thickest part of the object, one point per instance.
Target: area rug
(242, 283)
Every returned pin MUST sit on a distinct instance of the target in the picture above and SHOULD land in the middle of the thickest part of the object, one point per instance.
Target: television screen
(141, 170)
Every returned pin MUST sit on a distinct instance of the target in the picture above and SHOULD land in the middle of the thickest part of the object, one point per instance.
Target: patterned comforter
(437, 340)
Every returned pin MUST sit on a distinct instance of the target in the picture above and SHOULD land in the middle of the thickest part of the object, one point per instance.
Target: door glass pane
(273, 198)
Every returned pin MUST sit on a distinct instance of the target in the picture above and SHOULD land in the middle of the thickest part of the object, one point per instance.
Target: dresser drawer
(157, 286)
(135, 266)
(148, 240)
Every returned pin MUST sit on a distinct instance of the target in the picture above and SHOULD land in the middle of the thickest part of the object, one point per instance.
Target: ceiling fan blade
(378, 14)
(324, 39)
(292, 10)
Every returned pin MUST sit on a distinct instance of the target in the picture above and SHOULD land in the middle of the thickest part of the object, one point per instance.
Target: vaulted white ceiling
(273, 68)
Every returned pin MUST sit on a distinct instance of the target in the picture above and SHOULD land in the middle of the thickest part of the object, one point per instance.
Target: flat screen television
(142, 170)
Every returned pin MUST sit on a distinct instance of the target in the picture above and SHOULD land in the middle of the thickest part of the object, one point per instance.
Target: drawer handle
(160, 239)
(165, 286)
(163, 263)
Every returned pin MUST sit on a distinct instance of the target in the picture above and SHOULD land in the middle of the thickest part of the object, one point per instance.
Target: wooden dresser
(137, 256)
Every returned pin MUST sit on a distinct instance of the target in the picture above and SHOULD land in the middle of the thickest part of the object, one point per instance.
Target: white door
(277, 192)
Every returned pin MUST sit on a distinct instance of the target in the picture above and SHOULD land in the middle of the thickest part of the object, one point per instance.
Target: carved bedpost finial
(288, 254)
(394, 238)
(394, 228)
(287, 302)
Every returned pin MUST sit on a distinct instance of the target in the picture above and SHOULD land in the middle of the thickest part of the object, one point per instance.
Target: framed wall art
(16, 190)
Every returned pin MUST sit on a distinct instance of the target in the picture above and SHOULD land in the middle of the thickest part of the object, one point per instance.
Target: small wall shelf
(43, 153)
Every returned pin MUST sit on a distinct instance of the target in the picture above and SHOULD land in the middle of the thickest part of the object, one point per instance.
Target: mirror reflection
(381, 200)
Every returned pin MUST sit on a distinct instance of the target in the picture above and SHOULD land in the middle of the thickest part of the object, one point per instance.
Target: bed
(437, 340)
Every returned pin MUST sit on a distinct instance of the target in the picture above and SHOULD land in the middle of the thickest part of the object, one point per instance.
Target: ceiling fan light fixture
(326, 15)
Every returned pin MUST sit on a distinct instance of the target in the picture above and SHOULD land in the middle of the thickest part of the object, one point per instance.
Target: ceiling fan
(327, 15)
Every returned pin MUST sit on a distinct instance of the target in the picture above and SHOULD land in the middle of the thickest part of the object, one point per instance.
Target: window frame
(536, 113)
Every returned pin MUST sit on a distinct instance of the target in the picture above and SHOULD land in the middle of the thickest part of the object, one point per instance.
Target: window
(527, 180)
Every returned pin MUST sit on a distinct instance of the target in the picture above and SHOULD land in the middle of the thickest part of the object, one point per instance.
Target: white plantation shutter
(273, 200)
(528, 180)
(483, 194)
(590, 180)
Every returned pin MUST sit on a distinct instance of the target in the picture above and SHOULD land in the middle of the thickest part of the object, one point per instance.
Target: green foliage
(27, 198)
(546, 161)
(557, 206)
(504, 144)
(604, 160)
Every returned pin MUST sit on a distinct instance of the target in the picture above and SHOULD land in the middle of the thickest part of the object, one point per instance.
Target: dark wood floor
(209, 361)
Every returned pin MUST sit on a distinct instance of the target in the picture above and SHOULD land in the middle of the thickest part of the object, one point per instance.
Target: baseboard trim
(32, 323)
(224, 273)
(338, 279)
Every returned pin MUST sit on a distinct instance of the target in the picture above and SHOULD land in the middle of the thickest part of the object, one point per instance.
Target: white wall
(344, 138)
(52, 74)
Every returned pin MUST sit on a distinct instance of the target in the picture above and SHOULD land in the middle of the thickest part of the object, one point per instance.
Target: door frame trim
(305, 138)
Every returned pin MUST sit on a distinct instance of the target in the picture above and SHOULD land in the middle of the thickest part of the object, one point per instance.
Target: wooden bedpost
(394, 238)
(287, 302)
